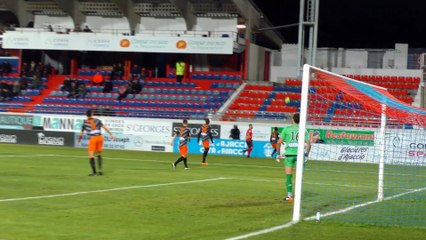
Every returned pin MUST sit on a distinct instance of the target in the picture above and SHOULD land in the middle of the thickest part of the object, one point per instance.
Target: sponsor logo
(17, 41)
(8, 138)
(268, 149)
(148, 128)
(99, 43)
(158, 148)
(57, 42)
(117, 139)
(138, 141)
(125, 43)
(181, 44)
(55, 141)
(417, 150)
(396, 142)
(17, 120)
(68, 124)
(352, 153)
(196, 128)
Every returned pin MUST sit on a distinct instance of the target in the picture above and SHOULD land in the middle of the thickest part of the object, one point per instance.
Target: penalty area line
(111, 190)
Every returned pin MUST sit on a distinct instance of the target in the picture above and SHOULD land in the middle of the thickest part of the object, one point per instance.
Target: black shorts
(249, 144)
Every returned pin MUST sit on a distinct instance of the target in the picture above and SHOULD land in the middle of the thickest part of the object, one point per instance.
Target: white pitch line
(289, 224)
(268, 230)
(111, 189)
(366, 204)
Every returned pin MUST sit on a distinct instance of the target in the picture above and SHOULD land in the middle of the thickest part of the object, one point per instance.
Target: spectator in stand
(50, 28)
(135, 72)
(5, 95)
(77, 28)
(97, 110)
(73, 91)
(109, 112)
(36, 81)
(122, 92)
(47, 69)
(5, 91)
(144, 74)
(120, 71)
(108, 86)
(67, 84)
(180, 70)
(87, 29)
(24, 69)
(16, 89)
(5, 68)
(98, 79)
(33, 66)
(82, 91)
(113, 74)
(23, 82)
(39, 67)
(135, 86)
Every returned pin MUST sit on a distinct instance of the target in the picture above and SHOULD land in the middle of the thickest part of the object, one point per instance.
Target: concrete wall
(113, 25)
(169, 24)
(58, 23)
(218, 25)
(285, 66)
(284, 63)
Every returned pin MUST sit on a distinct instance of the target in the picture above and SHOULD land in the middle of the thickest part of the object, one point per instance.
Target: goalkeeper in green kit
(289, 138)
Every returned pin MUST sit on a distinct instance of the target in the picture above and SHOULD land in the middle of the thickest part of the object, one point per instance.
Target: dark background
(356, 23)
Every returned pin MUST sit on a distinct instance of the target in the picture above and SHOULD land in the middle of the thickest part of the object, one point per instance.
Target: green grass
(145, 199)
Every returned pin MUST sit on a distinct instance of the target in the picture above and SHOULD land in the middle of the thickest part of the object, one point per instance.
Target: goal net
(367, 163)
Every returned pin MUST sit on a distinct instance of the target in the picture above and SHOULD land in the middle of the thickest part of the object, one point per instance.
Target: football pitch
(45, 193)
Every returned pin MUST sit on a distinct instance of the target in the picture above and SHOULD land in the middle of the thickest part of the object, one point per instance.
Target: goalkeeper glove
(278, 157)
(305, 159)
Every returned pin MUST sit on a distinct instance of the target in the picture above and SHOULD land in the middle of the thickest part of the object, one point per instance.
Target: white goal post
(388, 110)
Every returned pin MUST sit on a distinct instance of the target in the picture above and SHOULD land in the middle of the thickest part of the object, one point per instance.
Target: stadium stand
(268, 101)
(158, 99)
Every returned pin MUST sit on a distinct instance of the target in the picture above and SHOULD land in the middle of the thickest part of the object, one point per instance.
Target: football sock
(92, 164)
(100, 162)
(249, 151)
(179, 160)
(206, 150)
(275, 150)
(185, 162)
(289, 178)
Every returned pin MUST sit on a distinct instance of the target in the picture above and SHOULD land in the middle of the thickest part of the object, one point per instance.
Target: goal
(367, 163)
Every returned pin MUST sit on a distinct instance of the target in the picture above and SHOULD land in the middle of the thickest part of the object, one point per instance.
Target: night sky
(356, 23)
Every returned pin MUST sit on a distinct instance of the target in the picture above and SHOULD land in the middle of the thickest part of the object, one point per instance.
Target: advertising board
(131, 142)
(228, 147)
